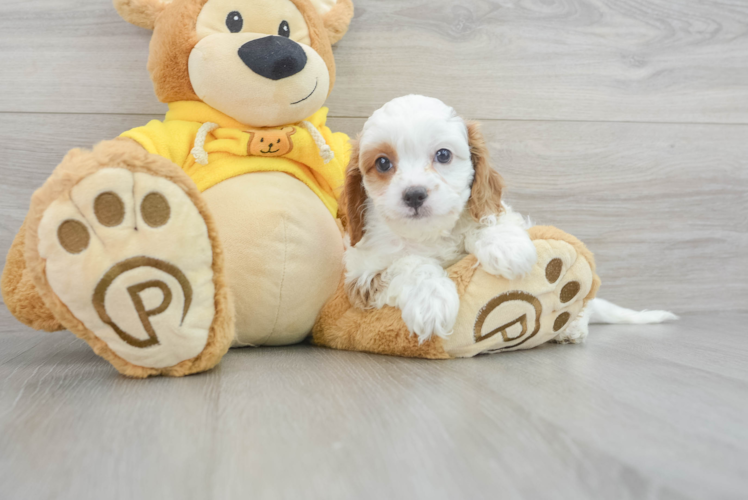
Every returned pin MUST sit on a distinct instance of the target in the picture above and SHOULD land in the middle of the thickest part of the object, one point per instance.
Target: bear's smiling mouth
(310, 95)
(269, 151)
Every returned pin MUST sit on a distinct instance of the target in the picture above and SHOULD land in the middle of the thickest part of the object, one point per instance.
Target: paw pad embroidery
(73, 236)
(561, 321)
(109, 209)
(155, 210)
(569, 291)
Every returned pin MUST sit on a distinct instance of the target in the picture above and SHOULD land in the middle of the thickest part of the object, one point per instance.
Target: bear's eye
(234, 22)
(444, 156)
(384, 164)
(284, 29)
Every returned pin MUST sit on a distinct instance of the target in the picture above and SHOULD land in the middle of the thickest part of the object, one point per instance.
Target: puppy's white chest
(447, 250)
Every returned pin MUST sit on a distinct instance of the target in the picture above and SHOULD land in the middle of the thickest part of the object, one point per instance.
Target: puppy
(420, 195)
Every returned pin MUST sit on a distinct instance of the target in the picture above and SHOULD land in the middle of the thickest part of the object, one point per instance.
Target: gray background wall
(623, 122)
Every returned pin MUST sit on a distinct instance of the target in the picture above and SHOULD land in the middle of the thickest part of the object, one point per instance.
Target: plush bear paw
(131, 258)
(498, 314)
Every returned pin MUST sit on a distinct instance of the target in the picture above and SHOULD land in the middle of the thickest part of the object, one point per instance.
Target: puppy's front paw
(509, 253)
(430, 308)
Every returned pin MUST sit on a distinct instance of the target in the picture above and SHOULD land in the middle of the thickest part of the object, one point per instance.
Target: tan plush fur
(321, 42)
(124, 153)
(382, 331)
(377, 331)
(141, 13)
(553, 233)
(338, 19)
(173, 39)
(462, 272)
(19, 293)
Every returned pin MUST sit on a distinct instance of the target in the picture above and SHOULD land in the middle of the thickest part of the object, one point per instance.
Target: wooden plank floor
(637, 412)
(624, 122)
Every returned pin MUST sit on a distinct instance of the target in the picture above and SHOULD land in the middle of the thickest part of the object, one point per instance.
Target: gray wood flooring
(636, 413)
(624, 122)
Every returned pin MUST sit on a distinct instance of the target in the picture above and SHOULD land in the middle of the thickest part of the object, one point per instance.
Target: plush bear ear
(337, 15)
(141, 13)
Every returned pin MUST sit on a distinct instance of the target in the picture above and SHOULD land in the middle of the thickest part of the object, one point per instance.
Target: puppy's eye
(284, 29)
(384, 165)
(234, 22)
(444, 156)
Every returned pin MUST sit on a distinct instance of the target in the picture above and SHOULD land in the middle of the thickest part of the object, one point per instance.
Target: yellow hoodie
(230, 149)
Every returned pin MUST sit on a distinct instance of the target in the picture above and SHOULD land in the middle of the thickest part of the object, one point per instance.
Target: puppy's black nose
(274, 57)
(415, 196)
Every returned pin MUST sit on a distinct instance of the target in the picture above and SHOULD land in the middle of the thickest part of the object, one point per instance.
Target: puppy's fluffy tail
(602, 311)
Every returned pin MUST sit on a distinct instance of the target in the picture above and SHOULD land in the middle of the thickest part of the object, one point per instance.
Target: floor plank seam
(487, 120)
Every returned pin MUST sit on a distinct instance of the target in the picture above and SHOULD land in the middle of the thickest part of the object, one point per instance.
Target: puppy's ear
(336, 15)
(141, 13)
(485, 196)
(353, 200)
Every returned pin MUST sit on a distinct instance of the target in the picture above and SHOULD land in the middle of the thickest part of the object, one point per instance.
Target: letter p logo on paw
(134, 291)
(513, 317)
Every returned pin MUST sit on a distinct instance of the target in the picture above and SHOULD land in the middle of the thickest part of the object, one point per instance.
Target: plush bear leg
(19, 292)
(379, 331)
(496, 314)
(121, 249)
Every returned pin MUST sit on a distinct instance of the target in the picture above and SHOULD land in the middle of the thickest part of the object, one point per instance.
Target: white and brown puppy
(420, 195)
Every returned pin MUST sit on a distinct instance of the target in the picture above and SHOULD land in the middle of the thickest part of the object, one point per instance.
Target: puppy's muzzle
(414, 197)
(274, 57)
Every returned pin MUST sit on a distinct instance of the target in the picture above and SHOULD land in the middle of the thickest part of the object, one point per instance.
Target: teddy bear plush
(213, 227)
(217, 226)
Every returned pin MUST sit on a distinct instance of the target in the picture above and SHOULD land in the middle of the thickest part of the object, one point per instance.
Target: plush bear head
(265, 63)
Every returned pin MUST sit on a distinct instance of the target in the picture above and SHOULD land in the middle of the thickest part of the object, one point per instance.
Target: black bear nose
(274, 57)
(415, 196)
